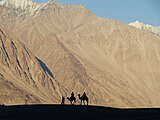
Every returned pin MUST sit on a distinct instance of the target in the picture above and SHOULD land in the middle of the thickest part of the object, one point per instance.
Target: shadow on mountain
(44, 67)
(75, 112)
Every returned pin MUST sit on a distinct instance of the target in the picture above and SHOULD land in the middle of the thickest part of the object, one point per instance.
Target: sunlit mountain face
(49, 50)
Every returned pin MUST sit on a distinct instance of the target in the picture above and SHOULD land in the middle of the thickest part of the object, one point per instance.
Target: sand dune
(49, 112)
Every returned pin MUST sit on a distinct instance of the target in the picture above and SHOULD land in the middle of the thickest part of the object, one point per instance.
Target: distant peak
(148, 27)
(22, 4)
(137, 23)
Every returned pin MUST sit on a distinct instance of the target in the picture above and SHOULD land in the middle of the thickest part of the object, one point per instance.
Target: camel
(72, 100)
(83, 98)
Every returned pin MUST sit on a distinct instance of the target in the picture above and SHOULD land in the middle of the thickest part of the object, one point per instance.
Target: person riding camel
(83, 98)
(72, 94)
(72, 99)
(84, 94)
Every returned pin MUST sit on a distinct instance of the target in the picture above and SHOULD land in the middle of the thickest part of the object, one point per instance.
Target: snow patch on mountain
(150, 28)
(25, 6)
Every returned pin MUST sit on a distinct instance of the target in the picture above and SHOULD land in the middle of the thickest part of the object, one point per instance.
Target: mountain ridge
(25, 7)
(115, 64)
(148, 27)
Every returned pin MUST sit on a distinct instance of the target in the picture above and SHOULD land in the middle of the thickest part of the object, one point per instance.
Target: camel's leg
(83, 102)
(87, 102)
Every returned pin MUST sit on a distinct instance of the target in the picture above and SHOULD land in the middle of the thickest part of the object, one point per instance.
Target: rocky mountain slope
(116, 64)
(150, 28)
(21, 76)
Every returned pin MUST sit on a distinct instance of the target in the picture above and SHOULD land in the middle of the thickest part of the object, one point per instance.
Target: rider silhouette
(72, 94)
(84, 94)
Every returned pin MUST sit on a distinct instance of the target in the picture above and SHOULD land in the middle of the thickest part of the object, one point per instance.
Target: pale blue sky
(146, 11)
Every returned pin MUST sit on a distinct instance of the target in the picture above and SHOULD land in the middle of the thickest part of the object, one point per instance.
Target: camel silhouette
(83, 98)
(72, 99)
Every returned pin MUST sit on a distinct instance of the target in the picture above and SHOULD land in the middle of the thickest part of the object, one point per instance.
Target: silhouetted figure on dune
(72, 99)
(63, 101)
(83, 98)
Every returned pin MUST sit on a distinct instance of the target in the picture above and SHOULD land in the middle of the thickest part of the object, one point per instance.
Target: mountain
(21, 75)
(150, 28)
(23, 8)
(18, 4)
(115, 64)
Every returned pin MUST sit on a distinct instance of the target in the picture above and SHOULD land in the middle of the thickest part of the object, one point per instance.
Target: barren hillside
(21, 76)
(116, 64)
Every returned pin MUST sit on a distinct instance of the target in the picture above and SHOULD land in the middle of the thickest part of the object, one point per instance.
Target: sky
(146, 11)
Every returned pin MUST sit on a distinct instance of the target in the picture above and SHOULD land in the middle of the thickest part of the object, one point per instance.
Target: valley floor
(75, 112)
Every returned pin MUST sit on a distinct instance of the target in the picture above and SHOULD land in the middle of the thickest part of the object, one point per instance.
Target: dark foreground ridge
(75, 112)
